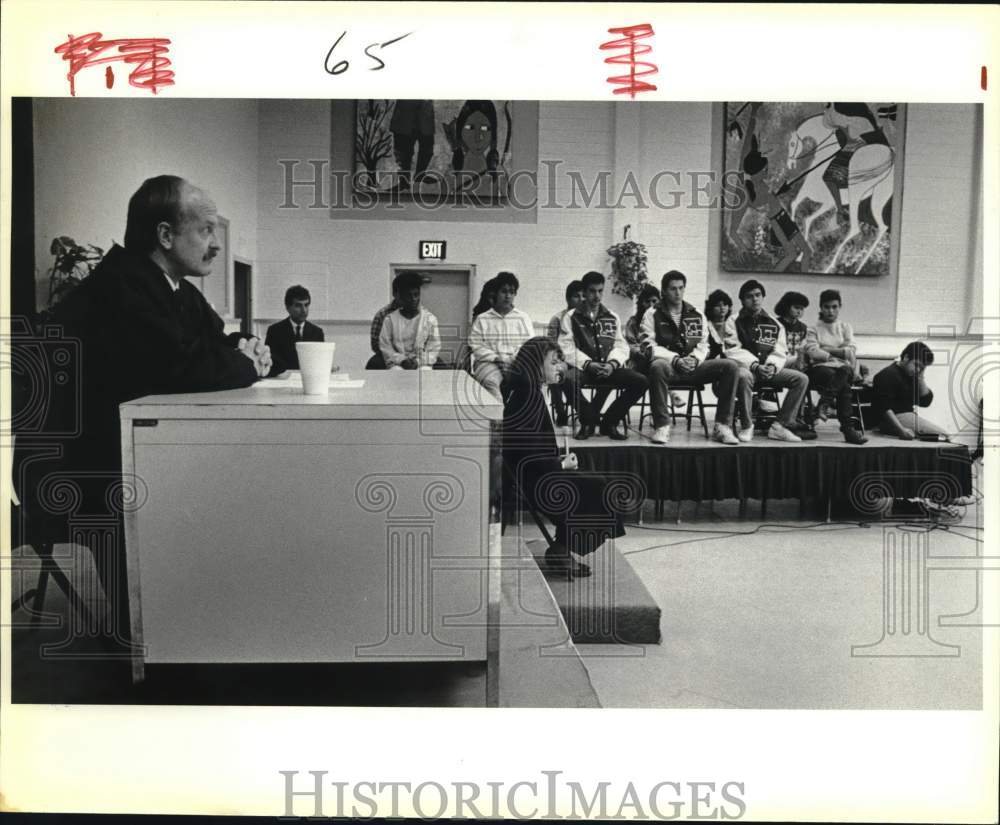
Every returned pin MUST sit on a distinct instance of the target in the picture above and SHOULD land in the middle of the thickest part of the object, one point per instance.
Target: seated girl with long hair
(547, 480)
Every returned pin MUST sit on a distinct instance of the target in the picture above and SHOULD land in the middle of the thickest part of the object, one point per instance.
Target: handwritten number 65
(341, 66)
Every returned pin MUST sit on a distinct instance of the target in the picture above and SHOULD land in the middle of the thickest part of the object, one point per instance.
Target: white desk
(270, 526)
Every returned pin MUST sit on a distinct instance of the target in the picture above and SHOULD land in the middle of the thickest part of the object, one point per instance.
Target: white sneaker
(723, 433)
(661, 435)
(746, 434)
(678, 401)
(768, 406)
(781, 433)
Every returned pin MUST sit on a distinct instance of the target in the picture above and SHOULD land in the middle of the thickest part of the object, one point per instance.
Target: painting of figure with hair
(428, 147)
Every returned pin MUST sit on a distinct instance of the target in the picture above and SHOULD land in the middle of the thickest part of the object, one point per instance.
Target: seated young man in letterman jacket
(759, 345)
(592, 341)
(676, 336)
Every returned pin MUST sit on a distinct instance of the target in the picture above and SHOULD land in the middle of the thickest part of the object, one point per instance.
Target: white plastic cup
(315, 365)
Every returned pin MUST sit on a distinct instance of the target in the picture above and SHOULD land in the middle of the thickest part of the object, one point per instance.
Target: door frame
(441, 266)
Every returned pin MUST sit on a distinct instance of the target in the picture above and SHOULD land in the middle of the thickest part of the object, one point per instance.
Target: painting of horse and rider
(809, 187)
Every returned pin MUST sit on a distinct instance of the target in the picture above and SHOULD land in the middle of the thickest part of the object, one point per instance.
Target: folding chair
(514, 503)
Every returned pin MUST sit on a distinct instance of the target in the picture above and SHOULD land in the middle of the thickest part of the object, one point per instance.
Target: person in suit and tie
(282, 336)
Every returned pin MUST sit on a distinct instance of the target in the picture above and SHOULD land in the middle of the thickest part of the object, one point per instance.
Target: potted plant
(72, 264)
(628, 266)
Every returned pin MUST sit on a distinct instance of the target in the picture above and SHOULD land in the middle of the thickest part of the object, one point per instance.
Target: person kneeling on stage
(677, 337)
(591, 337)
(547, 479)
(759, 344)
(900, 386)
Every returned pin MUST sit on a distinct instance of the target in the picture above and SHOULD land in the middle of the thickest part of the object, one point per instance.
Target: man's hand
(686, 364)
(767, 371)
(408, 363)
(600, 369)
(258, 352)
(907, 434)
(569, 462)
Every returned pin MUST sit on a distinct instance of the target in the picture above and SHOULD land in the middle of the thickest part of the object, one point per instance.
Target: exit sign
(432, 250)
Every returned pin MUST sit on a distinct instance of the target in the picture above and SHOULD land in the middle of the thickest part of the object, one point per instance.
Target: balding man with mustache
(144, 329)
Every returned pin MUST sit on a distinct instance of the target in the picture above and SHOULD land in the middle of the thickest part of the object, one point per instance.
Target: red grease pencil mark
(145, 54)
(109, 77)
(630, 84)
(982, 78)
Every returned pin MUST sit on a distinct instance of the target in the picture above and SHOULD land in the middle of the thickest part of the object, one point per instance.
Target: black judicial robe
(575, 501)
(138, 337)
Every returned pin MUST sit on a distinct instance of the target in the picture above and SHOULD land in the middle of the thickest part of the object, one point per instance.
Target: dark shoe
(853, 436)
(558, 563)
(585, 432)
(612, 431)
(803, 431)
(562, 420)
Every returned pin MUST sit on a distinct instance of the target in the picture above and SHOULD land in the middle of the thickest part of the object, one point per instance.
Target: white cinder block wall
(91, 155)
(938, 265)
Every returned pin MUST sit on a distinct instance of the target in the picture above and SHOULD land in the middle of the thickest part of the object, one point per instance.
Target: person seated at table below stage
(759, 345)
(898, 388)
(409, 339)
(562, 393)
(542, 473)
(497, 334)
(282, 336)
(376, 362)
(144, 329)
(789, 310)
(719, 315)
(591, 338)
(675, 335)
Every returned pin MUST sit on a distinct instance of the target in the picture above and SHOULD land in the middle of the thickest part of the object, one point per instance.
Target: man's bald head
(164, 209)
(165, 198)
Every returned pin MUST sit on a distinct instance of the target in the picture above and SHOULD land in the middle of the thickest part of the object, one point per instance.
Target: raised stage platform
(692, 468)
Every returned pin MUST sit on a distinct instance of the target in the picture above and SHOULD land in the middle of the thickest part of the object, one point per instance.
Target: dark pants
(376, 362)
(403, 143)
(631, 382)
(583, 519)
(836, 382)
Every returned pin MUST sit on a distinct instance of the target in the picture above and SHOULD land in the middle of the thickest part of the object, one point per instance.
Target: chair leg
(37, 594)
(690, 409)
